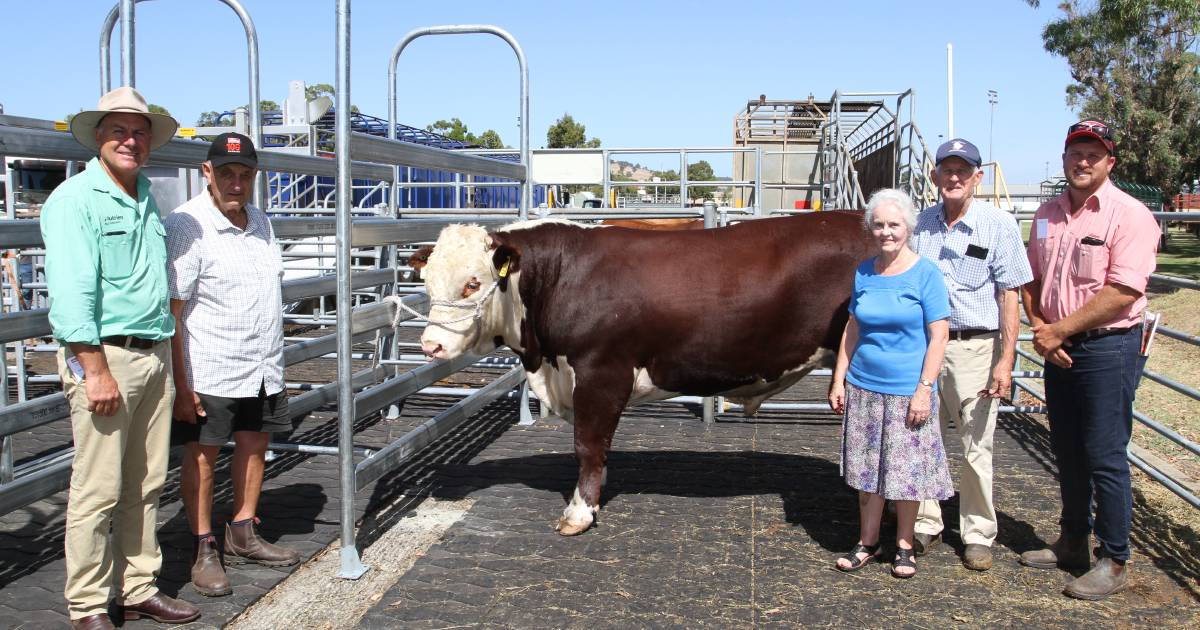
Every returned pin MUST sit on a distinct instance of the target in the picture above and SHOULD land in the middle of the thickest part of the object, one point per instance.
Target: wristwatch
(926, 383)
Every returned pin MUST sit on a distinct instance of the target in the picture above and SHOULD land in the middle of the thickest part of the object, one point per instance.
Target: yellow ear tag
(504, 267)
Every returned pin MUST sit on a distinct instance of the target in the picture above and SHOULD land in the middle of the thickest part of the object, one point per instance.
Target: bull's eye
(470, 287)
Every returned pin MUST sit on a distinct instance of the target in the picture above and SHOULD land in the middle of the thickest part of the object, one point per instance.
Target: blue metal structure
(365, 193)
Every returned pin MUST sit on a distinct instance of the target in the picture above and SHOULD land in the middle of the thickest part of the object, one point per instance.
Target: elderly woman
(887, 369)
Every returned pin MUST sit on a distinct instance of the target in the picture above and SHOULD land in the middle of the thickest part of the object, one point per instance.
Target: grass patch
(1183, 255)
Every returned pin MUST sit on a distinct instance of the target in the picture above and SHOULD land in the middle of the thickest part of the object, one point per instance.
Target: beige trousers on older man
(966, 370)
(118, 473)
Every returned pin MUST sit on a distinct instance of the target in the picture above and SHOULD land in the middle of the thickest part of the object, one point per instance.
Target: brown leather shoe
(924, 543)
(243, 545)
(208, 576)
(163, 609)
(977, 557)
(92, 622)
(1106, 578)
(1068, 552)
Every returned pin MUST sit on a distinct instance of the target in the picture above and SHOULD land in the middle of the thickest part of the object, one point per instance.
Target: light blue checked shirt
(981, 255)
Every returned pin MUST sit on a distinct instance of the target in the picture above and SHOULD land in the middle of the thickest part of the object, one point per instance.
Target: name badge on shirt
(1043, 226)
(975, 251)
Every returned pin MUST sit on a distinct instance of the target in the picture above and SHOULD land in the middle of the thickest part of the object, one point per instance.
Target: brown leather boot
(208, 576)
(1068, 552)
(242, 545)
(1106, 578)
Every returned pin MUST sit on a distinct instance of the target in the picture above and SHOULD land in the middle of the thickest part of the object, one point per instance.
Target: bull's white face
(460, 269)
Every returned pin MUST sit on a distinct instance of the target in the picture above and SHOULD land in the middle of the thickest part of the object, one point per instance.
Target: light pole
(992, 99)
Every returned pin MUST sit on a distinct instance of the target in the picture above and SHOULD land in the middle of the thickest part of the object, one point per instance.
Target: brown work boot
(924, 543)
(208, 576)
(1106, 578)
(163, 609)
(92, 622)
(977, 557)
(1068, 552)
(243, 545)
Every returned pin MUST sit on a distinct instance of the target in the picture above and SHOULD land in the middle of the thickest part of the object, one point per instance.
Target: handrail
(390, 151)
(25, 233)
(55, 145)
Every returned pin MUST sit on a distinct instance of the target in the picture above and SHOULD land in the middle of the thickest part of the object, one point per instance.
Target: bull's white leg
(577, 517)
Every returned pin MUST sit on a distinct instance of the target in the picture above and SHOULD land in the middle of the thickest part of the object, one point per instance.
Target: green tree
(455, 129)
(213, 119)
(157, 109)
(566, 133)
(701, 171)
(1134, 66)
(490, 140)
(312, 92)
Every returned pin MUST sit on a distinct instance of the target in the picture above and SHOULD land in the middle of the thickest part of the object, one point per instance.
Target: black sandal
(857, 563)
(904, 558)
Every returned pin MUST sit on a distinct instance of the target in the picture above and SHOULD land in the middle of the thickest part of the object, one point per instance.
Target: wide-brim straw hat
(123, 100)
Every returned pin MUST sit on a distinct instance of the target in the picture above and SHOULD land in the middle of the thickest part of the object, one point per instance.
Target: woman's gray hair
(893, 197)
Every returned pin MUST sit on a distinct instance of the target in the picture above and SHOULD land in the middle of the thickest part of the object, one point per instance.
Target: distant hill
(636, 172)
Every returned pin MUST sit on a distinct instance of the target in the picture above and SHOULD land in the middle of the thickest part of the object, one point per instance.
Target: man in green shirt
(109, 310)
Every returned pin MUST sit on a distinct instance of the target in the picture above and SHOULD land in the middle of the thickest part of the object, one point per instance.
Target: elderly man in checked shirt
(224, 273)
(979, 250)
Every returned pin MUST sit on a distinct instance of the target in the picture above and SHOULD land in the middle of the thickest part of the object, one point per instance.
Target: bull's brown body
(742, 311)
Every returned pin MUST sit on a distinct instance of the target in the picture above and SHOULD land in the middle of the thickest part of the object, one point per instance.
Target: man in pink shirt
(1092, 250)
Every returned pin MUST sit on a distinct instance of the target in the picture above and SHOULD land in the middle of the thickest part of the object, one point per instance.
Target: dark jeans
(1091, 418)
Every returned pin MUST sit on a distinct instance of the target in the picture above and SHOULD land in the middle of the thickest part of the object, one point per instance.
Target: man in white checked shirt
(223, 274)
(980, 252)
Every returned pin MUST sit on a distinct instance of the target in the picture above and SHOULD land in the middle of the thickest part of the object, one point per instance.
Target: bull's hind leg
(597, 411)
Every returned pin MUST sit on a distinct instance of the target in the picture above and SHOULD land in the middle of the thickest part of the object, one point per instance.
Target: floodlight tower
(993, 98)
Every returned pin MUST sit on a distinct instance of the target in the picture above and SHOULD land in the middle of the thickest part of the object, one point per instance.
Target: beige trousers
(966, 370)
(119, 469)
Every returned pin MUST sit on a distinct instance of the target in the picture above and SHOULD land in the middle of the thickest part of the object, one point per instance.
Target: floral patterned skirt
(883, 456)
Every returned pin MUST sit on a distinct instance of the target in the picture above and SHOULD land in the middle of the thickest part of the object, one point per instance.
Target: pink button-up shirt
(1111, 240)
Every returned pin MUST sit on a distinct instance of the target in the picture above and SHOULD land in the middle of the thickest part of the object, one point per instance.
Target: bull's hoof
(568, 528)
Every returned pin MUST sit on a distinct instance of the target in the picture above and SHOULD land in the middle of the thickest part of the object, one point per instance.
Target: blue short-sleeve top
(893, 314)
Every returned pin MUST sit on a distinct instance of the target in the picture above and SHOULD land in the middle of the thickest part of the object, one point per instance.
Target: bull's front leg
(597, 411)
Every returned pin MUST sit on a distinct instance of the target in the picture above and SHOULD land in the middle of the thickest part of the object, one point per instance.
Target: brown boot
(1106, 578)
(1068, 552)
(208, 576)
(242, 545)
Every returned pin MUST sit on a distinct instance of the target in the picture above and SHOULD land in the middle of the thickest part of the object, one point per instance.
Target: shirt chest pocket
(117, 251)
(970, 273)
(1090, 262)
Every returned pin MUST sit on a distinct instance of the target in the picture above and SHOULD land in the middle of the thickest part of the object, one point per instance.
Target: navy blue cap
(959, 148)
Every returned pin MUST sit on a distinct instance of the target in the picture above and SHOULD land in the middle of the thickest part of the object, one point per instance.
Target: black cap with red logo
(232, 148)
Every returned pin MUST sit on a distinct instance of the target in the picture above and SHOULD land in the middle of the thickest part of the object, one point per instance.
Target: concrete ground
(730, 525)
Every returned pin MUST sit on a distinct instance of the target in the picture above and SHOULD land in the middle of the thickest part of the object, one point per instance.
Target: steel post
(127, 43)
(709, 403)
(352, 566)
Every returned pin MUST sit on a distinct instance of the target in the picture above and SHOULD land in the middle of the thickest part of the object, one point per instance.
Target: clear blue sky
(637, 74)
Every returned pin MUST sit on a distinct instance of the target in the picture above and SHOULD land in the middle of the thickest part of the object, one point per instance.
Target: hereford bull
(603, 317)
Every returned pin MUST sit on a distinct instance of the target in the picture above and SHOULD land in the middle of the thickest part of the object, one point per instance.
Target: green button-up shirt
(106, 260)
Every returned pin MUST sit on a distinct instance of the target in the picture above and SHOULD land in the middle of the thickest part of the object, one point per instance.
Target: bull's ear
(506, 260)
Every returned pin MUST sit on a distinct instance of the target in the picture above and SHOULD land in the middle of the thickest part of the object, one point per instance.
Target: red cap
(1090, 130)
